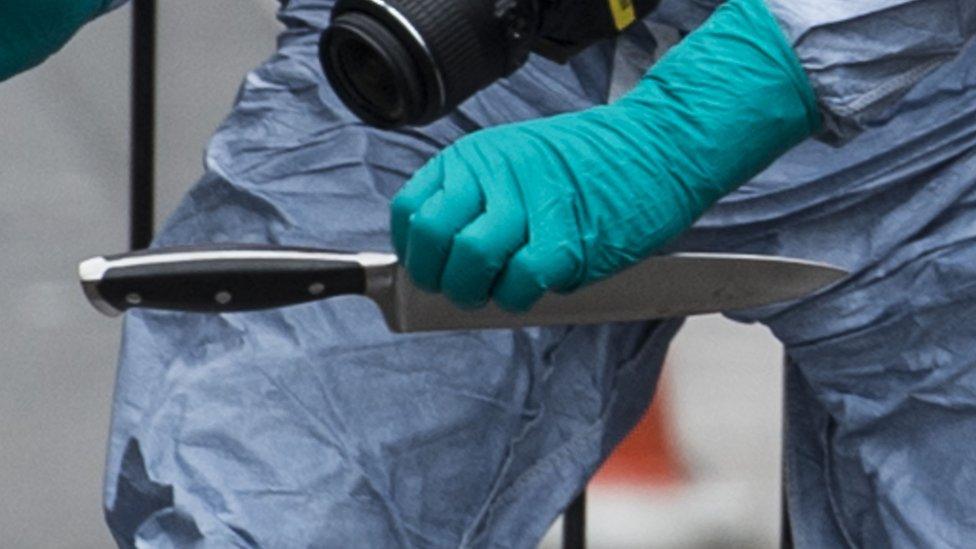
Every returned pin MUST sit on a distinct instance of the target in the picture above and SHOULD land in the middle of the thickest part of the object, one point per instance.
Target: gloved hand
(514, 211)
(32, 30)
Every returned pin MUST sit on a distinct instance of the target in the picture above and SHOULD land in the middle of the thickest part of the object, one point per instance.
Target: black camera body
(410, 62)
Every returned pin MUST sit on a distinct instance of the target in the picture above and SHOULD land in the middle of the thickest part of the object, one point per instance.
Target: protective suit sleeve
(31, 31)
(515, 211)
(863, 56)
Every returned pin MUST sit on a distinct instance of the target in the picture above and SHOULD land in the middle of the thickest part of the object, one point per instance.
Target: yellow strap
(623, 13)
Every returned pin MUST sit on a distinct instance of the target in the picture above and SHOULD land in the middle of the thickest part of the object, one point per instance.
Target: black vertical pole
(143, 128)
(574, 524)
(786, 531)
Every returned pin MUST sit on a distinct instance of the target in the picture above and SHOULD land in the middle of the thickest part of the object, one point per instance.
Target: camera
(410, 62)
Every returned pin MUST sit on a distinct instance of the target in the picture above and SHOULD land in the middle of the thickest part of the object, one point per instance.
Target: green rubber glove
(32, 30)
(512, 212)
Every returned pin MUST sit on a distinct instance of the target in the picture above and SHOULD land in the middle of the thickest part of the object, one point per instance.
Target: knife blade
(233, 278)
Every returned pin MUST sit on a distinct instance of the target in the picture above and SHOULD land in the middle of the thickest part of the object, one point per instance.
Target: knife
(232, 278)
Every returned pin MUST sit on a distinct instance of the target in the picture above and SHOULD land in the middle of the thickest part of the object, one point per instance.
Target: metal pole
(574, 524)
(143, 124)
(786, 531)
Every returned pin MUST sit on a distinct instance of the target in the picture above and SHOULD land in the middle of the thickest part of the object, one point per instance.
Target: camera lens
(410, 62)
(370, 77)
(371, 71)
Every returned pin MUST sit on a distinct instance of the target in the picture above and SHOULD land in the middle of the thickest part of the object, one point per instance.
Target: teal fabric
(512, 212)
(33, 30)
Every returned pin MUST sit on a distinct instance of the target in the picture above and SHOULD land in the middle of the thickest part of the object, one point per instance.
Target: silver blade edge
(660, 287)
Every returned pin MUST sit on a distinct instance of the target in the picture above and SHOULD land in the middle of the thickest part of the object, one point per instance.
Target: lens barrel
(371, 71)
(410, 62)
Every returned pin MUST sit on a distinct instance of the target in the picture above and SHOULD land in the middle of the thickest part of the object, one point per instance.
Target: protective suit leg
(313, 425)
(882, 397)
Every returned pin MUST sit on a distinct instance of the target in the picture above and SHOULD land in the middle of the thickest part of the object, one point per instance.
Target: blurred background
(702, 471)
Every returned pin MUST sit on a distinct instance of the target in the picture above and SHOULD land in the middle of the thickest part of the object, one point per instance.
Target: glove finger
(480, 251)
(432, 229)
(551, 259)
(532, 271)
(424, 183)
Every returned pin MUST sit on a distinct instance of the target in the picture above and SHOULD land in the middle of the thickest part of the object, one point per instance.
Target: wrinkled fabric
(314, 426)
(857, 66)
(882, 398)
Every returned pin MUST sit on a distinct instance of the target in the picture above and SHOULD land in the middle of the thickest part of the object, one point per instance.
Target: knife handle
(223, 278)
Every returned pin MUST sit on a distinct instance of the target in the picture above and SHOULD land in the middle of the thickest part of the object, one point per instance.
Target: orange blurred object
(649, 455)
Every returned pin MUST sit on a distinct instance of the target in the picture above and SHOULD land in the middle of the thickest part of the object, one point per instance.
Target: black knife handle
(223, 278)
